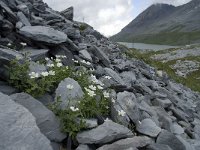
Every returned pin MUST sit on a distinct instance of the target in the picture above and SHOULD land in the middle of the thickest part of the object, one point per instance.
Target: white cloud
(106, 16)
(173, 2)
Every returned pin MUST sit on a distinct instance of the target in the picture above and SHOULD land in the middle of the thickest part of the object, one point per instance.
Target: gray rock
(91, 123)
(114, 76)
(46, 99)
(101, 55)
(105, 133)
(128, 77)
(24, 8)
(18, 128)
(69, 97)
(135, 142)
(163, 103)
(148, 127)
(43, 34)
(158, 147)
(68, 13)
(46, 120)
(35, 54)
(19, 25)
(171, 140)
(9, 54)
(177, 129)
(8, 90)
(38, 68)
(129, 104)
(72, 33)
(83, 147)
(11, 15)
(85, 55)
(23, 19)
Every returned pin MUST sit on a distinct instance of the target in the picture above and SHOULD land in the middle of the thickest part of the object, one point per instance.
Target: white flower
(9, 44)
(94, 79)
(107, 119)
(33, 75)
(45, 74)
(70, 86)
(113, 100)
(160, 73)
(90, 92)
(107, 77)
(63, 56)
(58, 56)
(92, 87)
(76, 61)
(58, 60)
(59, 64)
(67, 67)
(107, 107)
(52, 73)
(121, 113)
(74, 109)
(23, 44)
(86, 62)
(50, 65)
(47, 59)
(18, 57)
(99, 87)
(106, 94)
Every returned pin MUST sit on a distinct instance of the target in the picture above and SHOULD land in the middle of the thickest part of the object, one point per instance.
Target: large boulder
(43, 34)
(129, 143)
(69, 97)
(46, 120)
(105, 133)
(19, 130)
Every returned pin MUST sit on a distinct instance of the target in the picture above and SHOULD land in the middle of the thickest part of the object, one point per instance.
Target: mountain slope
(164, 24)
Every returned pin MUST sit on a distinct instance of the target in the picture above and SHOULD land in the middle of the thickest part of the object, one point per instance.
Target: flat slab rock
(148, 127)
(125, 144)
(46, 120)
(105, 133)
(19, 130)
(43, 34)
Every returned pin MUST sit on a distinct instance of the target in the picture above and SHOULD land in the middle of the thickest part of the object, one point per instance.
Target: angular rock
(105, 133)
(148, 127)
(8, 90)
(128, 77)
(43, 34)
(35, 54)
(101, 55)
(9, 54)
(72, 33)
(18, 128)
(23, 19)
(171, 140)
(24, 8)
(9, 13)
(85, 55)
(83, 147)
(114, 76)
(69, 97)
(129, 104)
(68, 13)
(163, 103)
(158, 147)
(46, 120)
(124, 144)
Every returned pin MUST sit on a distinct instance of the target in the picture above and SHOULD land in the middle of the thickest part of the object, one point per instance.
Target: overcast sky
(107, 16)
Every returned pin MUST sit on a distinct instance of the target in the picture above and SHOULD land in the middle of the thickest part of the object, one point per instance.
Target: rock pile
(154, 112)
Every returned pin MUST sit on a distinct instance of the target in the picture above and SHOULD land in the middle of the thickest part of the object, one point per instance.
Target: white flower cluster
(74, 109)
(107, 77)
(34, 75)
(121, 113)
(75, 61)
(106, 94)
(23, 44)
(96, 81)
(86, 62)
(91, 93)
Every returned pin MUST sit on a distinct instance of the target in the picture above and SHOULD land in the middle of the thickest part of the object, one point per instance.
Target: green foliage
(82, 27)
(19, 78)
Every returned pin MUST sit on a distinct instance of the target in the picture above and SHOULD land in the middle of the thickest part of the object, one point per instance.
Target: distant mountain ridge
(164, 24)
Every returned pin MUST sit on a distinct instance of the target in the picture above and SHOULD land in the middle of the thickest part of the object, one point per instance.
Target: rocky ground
(147, 110)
